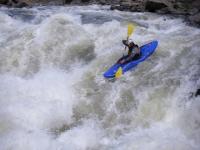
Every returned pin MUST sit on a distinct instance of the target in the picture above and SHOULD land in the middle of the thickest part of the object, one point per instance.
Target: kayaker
(133, 51)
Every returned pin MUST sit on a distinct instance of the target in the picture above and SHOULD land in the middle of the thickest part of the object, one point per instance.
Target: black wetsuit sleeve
(125, 42)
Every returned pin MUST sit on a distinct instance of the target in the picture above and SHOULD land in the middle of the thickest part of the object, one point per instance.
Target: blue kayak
(146, 50)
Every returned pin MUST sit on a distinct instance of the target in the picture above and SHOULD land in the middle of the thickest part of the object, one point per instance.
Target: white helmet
(130, 40)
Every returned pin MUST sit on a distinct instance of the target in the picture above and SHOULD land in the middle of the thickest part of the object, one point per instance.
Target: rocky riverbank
(188, 8)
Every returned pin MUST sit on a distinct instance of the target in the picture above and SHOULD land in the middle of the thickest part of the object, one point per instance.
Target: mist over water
(53, 94)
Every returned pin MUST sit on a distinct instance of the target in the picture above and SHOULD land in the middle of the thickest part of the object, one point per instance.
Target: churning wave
(53, 94)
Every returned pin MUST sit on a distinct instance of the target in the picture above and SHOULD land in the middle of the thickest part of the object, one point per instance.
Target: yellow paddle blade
(131, 28)
(119, 72)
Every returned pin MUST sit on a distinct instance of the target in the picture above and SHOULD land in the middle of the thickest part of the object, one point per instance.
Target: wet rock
(196, 4)
(118, 7)
(133, 6)
(102, 2)
(4, 2)
(137, 7)
(21, 5)
(13, 3)
(154, 6)
(44, 2)
(197, 92)
(24, 3)
(85, 1)
(16, 3)
(195, 19)
(68, 1)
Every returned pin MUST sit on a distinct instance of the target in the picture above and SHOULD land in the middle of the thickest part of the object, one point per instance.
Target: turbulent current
(53, 95)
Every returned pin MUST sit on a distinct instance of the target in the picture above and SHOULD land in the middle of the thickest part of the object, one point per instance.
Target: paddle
(130, 30)
(119, 73)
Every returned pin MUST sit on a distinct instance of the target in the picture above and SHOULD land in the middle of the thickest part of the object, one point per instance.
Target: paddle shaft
(127, 41)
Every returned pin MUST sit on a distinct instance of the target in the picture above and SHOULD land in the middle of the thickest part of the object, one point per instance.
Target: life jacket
(131, 48)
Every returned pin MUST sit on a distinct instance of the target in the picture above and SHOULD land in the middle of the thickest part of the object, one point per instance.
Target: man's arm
(125, 42)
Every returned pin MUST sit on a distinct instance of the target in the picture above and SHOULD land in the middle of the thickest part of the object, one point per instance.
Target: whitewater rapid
(53, 95)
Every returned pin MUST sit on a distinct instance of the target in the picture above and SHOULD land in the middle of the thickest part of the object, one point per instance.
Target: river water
(53, 95)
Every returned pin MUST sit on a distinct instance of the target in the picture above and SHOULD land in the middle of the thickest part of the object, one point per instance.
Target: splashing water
(53, 94)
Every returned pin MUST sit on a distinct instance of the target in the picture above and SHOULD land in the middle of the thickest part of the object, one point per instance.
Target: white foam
(46, 105)
(86, 136)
